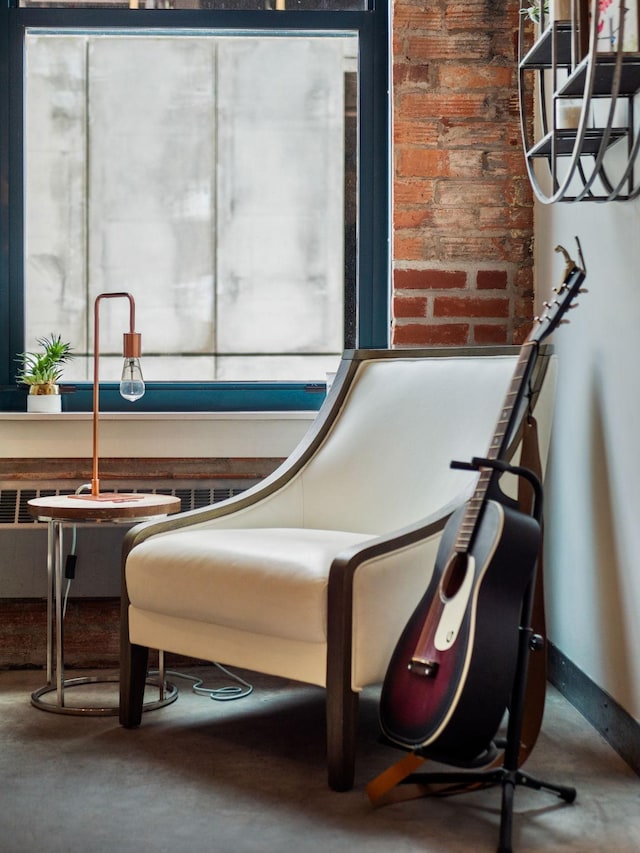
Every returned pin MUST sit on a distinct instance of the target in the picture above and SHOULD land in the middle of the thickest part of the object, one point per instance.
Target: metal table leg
(167, 693)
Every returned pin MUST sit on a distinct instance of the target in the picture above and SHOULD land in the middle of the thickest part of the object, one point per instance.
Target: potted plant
(41, 372)
(532, 11)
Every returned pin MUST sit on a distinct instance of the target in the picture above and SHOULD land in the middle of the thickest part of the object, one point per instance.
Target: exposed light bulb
(131, 383)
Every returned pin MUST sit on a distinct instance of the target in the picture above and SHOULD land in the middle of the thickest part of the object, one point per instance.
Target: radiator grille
(14, 511)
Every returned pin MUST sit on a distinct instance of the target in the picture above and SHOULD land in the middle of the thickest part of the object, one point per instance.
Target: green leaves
(533, 10)
(41, 368)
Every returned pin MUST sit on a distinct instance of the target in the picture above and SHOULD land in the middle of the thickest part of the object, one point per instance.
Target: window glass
(244, 5)
(213, 177)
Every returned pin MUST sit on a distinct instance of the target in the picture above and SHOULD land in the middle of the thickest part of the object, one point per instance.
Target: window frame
(370, 315)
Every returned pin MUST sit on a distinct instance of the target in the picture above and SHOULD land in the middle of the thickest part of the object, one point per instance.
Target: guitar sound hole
(454, 575)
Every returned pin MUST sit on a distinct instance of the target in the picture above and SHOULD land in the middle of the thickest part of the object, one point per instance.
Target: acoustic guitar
(451, 675)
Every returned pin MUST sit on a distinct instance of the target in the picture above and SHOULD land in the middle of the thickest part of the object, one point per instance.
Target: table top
(107, 506)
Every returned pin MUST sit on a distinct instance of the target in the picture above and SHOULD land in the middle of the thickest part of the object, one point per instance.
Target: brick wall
(463, 207)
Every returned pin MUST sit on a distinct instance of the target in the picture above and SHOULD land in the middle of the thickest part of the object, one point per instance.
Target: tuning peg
(583, 290)
(564, 322)
(573, 305)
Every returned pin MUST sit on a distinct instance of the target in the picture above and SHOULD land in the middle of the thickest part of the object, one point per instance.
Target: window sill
(153, 434)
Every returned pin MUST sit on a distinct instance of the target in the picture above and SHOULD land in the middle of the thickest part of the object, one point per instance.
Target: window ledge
(306, 415)
(153, 434)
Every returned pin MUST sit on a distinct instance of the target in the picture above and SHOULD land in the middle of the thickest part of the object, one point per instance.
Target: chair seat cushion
(264, 580)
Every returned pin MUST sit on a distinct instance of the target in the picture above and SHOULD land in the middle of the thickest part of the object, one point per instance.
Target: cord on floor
(218, 694)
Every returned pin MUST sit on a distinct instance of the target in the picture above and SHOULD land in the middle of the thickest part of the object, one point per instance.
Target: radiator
(23, 541)
(14, 496)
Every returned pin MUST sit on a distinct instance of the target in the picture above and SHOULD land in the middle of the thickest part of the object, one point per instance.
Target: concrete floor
(245, 776)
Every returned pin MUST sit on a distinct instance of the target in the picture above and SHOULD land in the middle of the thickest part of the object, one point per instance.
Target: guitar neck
(510, 418)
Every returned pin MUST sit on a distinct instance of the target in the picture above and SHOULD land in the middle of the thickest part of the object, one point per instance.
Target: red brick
(430, 48)
(416, 191)
(411, 218)
(423, 162)
(411, 307)
(477, 14)
(466, 164)
(487, 248)
(475, 76)
(455, 218)
(462, 197)
(411, 74)
(422, 17)
(418, 334)
(458, 193)
(492, 279)
(447, 106)
(408, 248)
(413, 279)
(521, 332)
(486, 334)
(457, 306)
(458, 133)
(507, 218)
(416, 132)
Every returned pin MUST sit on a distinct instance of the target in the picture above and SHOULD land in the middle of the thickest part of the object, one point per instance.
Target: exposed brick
(511, 217)
(430, 334)
(466, 164)
(447, 105)
(482, 192)
(488, 334)
(429, 279)
(409, 248)
(521, 332)
(421, 17)
(409, 306)
(488, 248)
(424, 162)
(417, 191)
(492, 279)
(457, 133)
(448, 46)
(459, 306)
(411, 218)
(411, 74)
(476, 14)
(416, 132)
(475, 77)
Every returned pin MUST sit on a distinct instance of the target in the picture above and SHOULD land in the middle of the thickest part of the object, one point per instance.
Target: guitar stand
(509, 776)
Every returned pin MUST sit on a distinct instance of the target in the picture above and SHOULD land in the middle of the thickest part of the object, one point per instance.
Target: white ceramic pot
(39, 400)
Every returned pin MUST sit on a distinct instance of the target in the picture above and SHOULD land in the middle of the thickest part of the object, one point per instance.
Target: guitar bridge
(426, 668)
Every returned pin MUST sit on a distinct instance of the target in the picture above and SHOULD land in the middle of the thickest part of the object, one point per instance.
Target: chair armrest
(340, 605)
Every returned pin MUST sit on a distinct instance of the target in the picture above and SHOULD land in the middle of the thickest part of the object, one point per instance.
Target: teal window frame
(367, 320)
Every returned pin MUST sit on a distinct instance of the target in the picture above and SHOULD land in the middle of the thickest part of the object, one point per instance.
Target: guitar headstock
(565, 293)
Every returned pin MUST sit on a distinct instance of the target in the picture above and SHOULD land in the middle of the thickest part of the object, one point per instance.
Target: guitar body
(451, 707)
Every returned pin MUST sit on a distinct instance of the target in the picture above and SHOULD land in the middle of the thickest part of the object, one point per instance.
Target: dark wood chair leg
(134, 662)
(342, 727)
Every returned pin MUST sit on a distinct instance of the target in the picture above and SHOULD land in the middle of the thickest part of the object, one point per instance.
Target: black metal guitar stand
(508, 775)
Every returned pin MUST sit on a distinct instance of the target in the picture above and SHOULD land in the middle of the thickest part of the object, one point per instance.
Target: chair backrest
(384, 464)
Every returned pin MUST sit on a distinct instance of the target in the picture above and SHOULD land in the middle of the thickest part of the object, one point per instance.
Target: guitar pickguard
(454, 610)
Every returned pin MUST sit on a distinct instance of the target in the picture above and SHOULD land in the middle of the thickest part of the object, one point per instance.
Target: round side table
(58, 510)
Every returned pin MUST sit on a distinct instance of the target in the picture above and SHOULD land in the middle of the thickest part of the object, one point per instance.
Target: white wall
(593, 498)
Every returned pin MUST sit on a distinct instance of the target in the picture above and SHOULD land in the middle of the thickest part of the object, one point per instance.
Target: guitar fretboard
(498, 446)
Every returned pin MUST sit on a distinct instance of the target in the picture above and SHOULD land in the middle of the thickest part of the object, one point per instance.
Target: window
(230, 170)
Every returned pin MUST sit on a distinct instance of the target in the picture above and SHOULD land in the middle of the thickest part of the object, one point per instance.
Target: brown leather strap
(379, 789)
(537, 667)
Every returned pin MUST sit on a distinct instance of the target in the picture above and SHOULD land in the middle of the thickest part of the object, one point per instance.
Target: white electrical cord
(218, 694)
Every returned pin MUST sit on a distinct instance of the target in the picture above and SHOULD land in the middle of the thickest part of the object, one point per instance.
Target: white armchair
(312, 574)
